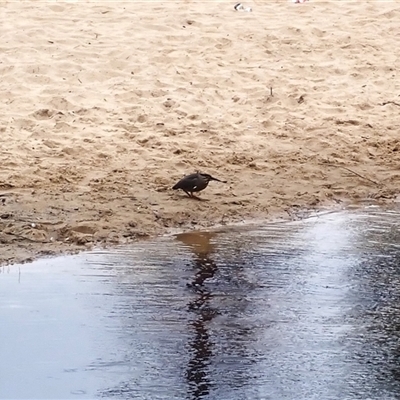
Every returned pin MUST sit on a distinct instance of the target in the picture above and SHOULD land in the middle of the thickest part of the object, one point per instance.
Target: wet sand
(106, 105)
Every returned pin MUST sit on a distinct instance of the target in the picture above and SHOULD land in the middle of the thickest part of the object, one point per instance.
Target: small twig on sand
(270, 91)
(125, 197)
(390, 102)
(355, 173)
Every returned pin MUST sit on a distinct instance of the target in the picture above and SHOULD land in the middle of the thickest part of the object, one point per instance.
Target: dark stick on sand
(390, 102)
(355, 173)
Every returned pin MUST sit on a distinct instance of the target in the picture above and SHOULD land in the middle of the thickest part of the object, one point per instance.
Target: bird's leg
(189, 194)
(195, 197)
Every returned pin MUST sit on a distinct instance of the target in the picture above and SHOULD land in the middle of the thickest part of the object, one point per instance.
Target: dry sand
(105, 105)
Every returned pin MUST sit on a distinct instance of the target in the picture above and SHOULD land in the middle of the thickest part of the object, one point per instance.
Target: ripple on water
(301, 310)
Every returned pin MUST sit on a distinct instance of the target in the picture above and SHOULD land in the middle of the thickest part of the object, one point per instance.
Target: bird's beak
(218, 180)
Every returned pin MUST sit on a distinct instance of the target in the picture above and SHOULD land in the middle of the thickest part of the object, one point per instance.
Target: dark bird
(195, 183)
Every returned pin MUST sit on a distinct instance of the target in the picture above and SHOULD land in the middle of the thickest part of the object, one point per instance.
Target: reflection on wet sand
(307, 310)
(222, 333)
(201, 346)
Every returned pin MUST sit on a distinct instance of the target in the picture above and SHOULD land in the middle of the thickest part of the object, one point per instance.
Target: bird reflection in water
(201, 345)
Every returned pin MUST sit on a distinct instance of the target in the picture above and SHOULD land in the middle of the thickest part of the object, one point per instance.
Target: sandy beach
(105, 105)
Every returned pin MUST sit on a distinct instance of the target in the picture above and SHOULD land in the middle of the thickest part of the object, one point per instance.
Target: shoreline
(33, 250)
(107, 105)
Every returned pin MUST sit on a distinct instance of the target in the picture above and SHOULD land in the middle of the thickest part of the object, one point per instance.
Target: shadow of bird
(195, 183)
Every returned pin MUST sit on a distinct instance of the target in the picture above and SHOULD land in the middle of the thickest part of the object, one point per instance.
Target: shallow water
(300, 310)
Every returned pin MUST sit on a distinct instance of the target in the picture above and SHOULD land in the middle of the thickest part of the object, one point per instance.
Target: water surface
(299, 310)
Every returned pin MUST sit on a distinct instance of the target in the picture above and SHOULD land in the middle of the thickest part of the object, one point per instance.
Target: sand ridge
(105, 105)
